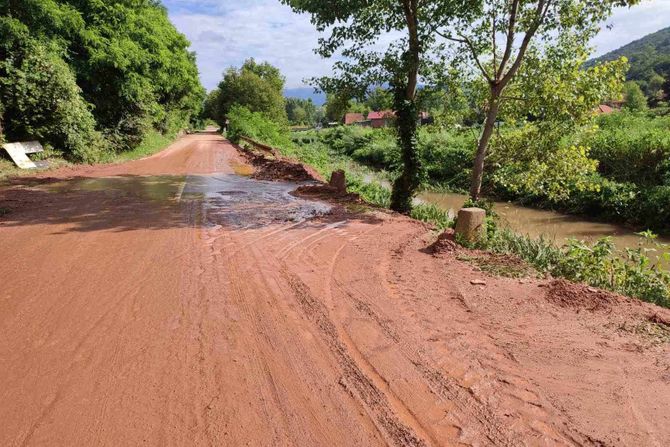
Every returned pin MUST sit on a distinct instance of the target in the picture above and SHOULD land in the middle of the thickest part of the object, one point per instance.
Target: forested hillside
(649, 60)
(90, 77)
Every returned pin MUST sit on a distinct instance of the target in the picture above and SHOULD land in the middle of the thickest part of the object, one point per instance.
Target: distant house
(604, 109)
(385, 118)
(381, 119)
(353, 118)
(609, 107)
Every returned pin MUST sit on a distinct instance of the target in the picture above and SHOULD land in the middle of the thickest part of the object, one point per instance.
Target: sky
(224, 33)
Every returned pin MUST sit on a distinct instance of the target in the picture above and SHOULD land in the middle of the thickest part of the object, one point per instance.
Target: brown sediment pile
(579, 296)
(278, 168)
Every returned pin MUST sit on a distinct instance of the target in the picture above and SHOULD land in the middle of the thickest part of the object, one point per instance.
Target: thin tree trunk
(404, 97)
(406, 185)
(482, 146)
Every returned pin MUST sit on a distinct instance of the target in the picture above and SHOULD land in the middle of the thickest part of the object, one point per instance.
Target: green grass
(432, 214)
(631, 272)
(153, 142)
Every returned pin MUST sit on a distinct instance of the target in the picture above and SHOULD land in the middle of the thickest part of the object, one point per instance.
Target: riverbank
(631, 270)
(554, 227)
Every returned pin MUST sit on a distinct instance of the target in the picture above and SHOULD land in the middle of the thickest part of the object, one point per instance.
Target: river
(552, 225)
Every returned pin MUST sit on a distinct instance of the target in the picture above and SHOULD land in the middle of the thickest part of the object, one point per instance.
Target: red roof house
(353, 118)
(381, 118)
(604, 109)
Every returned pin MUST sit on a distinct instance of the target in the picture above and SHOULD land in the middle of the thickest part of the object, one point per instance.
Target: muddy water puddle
(548, 224)
(220, 199)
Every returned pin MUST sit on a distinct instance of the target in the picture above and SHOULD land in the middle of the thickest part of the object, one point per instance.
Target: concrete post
(338, 181)
(471, 224)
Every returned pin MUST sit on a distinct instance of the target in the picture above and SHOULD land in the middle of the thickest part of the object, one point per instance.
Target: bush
(447, 157)
(654, 208)
(631, 147)
(42, 101)
(244, 123)
(630, 273)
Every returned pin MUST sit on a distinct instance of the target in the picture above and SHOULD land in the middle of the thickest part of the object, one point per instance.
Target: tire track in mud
(354, 380)
(448, 388)
(276, 351)
(398, 407)
(468, 407)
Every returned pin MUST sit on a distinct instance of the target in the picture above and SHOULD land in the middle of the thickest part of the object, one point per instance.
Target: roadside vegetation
(361, 153)
(92, 80)
(615, 168)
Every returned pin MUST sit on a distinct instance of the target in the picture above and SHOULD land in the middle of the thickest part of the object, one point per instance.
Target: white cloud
(226, 32)
(629, 24)
(231, 32)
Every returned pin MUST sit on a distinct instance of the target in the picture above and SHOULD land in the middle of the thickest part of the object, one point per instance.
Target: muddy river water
(551, 225)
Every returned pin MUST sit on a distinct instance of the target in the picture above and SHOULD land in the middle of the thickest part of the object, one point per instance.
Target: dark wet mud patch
(221, 199)
(241, 202)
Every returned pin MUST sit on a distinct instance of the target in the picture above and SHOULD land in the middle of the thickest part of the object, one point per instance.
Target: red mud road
(169, 306)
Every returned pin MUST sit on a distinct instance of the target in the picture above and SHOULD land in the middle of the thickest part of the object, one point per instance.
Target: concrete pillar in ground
(338, 181)
(471, 224)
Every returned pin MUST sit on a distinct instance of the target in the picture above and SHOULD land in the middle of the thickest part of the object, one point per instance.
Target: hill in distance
(648, 57)
(318, 99)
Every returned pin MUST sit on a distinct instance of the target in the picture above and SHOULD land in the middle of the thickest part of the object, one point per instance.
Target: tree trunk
(404, 101)
(406, 185)
(482, 146)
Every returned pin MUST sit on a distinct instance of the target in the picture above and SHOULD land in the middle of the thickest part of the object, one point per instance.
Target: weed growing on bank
(631, 272)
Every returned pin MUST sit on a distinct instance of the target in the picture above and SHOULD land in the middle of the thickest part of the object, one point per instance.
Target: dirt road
(177, 303)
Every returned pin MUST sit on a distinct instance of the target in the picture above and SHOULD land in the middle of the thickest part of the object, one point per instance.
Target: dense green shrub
(133, 71)
(447, 157)
(631, 147)
(42, 100)
(654, 208)
(630, 273)
(244, 123)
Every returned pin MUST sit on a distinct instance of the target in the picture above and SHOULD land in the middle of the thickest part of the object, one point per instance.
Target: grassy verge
(153, 142)
(631, 272)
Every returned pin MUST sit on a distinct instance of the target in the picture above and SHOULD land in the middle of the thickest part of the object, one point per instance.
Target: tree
(379, 99)
(210, 108)
(526, 26)
(655, 90)
(337, 105)
(129, 61)
(634, 97)
(301, 111)
(355, 27)
(257, 86)
(40, 97)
